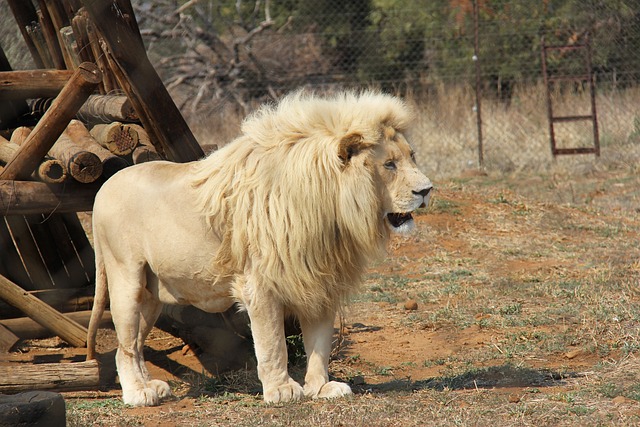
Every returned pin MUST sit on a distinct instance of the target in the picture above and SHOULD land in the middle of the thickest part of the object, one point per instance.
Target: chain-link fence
(220, 58)
(444, 56)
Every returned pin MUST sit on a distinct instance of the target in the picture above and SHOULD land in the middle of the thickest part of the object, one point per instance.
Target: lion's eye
(413, 156)
(390, 164)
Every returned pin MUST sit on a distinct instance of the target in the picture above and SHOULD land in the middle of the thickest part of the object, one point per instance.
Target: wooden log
(32, 83)
(7, 150)
(108, 84)
(146, 150)
(117, 138)
(20, 134)
(108, 108)
(144, 153)
(27, 329)
(31, 197)
(7, 339)
(65, 328)
(79, 24)
(36, 36)
(17, 377)
(79, 134)
(66, 300)
(137, 77)
(83, 81)
(96, 109)
(25, 14)
(49, 170)
(84, 166)
(71, 46)
(50, 35)
(59, 20)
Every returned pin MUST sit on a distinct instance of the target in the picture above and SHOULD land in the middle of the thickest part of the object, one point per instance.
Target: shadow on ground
(504, 376)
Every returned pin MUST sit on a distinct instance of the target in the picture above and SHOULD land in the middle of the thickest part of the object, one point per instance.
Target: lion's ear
(350, 146)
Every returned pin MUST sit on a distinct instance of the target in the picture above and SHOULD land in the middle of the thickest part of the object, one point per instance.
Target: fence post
(476, 60)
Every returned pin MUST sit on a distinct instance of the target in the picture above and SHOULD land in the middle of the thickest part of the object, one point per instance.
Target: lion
(283, 221)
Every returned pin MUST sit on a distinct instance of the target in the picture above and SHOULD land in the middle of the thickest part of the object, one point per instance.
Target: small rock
(187, 350)
(482, 316)
(411, 305)
(621, 400)
(573, 353)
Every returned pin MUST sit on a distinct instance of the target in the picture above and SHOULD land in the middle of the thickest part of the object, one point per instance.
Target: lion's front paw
(141, 397)
(332, 390)
(292, 391)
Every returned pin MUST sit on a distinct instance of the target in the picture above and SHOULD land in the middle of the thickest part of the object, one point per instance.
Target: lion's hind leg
(150, 311)
(134, 310)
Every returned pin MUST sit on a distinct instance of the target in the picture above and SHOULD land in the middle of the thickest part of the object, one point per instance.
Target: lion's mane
(286, 207)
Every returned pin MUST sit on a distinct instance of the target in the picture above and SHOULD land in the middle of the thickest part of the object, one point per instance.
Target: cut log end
(118, 138)
(51, 171)
(85, 167)
(90, 72)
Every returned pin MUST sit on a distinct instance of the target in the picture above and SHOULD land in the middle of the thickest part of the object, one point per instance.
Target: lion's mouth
(398, 219)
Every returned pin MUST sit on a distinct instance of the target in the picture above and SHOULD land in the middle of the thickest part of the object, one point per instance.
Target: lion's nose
(424, 192)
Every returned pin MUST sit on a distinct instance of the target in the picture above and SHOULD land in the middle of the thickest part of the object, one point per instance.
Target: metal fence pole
(476, 60)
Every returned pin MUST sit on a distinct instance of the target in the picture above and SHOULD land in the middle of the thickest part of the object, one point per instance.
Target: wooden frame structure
(85, 51)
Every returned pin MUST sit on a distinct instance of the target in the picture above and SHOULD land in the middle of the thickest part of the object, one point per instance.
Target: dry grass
(515, 135)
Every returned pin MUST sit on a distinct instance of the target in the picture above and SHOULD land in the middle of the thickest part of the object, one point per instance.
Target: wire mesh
(221, 58)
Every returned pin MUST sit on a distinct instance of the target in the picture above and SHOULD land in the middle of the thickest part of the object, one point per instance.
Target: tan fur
(283, 220)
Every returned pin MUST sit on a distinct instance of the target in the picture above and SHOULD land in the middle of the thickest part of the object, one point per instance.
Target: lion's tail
(99, 304)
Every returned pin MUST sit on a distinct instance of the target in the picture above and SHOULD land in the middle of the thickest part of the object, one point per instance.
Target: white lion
(283, 220)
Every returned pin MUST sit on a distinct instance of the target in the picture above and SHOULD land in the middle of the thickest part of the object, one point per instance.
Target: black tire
(33, 408)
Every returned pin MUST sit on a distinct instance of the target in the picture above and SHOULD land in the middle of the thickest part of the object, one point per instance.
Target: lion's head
(401, 185)
(310, 192)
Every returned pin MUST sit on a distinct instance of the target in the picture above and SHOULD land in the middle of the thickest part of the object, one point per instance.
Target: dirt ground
(503, 287)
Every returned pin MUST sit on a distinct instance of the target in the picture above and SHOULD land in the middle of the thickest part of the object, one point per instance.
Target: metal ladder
(587, 77)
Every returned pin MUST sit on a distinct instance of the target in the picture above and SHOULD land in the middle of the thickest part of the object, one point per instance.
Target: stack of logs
(85, 155)
(109, 110)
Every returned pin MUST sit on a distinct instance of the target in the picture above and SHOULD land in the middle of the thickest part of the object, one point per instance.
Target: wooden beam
(32, 83)
(49, 32)
(25, 15)
(81, 84)
(139, 80)
(25, 328)
(7, 339)
(31, 197)
(65, 328)
(17, 377)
